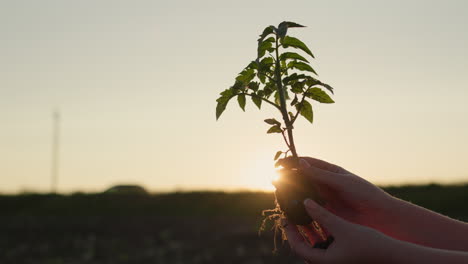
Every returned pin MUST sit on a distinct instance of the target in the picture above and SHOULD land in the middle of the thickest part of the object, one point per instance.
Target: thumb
(331, 222)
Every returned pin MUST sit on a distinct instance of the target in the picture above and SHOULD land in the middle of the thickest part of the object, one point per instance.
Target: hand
(359, 201)
(352, 243)
(346, 195)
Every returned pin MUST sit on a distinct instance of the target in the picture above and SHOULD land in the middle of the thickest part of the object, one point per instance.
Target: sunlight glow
(260, 174)
(276, 176)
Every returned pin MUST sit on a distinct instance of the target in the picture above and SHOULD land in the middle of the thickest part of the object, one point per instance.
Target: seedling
(285, 80)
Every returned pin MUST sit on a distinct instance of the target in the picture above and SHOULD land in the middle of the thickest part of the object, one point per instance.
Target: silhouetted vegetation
(195, 227)
(285, 80)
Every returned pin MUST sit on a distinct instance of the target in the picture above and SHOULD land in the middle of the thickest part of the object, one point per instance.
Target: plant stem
(284, 111)
(285, 140)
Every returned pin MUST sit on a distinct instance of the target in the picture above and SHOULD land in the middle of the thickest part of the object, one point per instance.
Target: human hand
(359, 201)
(346, 194)
(352, 243)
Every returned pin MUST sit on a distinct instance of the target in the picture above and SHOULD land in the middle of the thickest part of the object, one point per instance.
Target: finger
(290, 162)
(319, 175)
(334, 224)
(307, 169)
(311, 234)
(321, 164)
(300, 246)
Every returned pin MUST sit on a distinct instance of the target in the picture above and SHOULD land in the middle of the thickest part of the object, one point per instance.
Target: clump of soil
(292, 189)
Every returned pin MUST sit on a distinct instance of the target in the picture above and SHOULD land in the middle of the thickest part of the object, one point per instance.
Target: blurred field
(198, 227)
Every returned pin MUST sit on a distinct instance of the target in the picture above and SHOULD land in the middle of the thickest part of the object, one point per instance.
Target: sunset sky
(136, 84)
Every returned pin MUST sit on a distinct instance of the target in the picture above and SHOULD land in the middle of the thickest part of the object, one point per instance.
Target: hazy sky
(136, 83)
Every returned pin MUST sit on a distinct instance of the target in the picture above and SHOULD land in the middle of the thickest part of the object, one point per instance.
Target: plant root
(275, 215)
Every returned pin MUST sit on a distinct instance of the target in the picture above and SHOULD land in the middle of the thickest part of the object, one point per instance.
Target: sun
(259, 174)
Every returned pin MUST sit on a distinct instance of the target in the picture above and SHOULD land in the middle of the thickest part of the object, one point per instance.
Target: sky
(136, 84)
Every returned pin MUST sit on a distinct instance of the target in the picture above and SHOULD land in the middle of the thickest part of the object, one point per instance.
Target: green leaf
(274, 129)
(294, 101)
(283, 65)
(252, 65)
(301, 66)
(241, 101)
(296, 43)
(278, 154)
(267, 31)
(264, 67)
(319, 95)
(305, 109)
(268, 89)
(311, 81)
(283, 28)
(297, 87)
(261, 77)
(263, 47)
(266, 62)
(286, 95)
(277, 98)
(246, 76)
(290, 24)
(238, 85)
(220, 107)
(226, 95)
(253, 86)
(328, 87)
(293, 77)
(270, 39)
(257, 101)
(292, 56)
(272, 121)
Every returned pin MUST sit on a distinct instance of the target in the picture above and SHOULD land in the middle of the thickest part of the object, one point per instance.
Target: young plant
(285, 80)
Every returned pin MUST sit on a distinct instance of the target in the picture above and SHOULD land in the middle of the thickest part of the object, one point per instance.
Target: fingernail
(304, 164)
(310, 203)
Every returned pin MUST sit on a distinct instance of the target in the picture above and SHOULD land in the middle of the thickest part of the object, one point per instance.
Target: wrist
(404, 252)
(397, 251)
(385, 249)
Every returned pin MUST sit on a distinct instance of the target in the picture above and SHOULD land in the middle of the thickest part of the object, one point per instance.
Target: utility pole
(55, 149)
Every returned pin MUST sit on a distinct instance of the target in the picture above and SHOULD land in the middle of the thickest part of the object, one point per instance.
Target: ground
(198, 227)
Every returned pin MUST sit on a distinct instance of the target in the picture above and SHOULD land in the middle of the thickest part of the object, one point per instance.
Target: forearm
(415, 224)
(403, 252)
